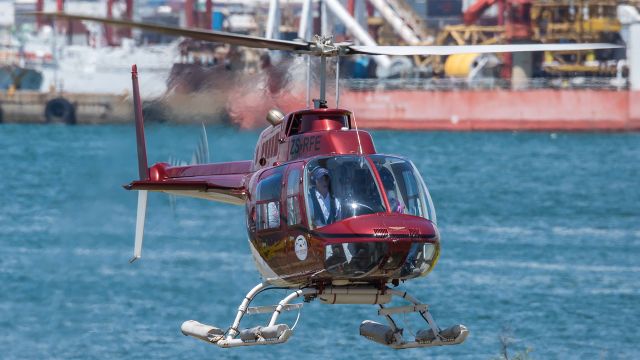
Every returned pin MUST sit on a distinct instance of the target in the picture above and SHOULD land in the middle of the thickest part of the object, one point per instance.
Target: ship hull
(535, 110)
(468, 110)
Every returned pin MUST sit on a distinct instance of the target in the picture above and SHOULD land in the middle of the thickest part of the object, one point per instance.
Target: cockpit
(363, 215)
(349, 186)
(340, 187)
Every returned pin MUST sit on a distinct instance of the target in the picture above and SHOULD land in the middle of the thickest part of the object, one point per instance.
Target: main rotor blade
(198, 34)
(473, 49)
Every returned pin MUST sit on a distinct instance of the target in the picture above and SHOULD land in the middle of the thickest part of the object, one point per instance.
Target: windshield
(404, 187)
(340, 187)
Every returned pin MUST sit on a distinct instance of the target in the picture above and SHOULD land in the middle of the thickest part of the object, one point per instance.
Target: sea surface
(540, 249)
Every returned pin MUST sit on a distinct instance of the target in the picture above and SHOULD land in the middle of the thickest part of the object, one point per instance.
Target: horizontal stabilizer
(195, 189)
(224, 182)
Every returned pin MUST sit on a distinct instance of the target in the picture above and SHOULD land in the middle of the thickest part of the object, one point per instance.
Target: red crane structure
(514, 15)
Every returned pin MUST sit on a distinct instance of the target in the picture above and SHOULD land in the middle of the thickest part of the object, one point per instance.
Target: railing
(436, 84)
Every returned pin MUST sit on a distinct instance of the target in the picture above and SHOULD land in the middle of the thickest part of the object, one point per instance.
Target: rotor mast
(324, 47)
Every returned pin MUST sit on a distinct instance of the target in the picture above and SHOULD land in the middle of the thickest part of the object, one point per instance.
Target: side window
(413, 196)
(268, 202)
(294, 126)
(293, 197)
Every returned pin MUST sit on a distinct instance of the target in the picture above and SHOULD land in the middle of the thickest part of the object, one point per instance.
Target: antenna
(323, 79)
(337, 81)
(357, 133)
(308, 81)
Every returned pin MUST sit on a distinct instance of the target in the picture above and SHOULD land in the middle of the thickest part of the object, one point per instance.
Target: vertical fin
(143, 167)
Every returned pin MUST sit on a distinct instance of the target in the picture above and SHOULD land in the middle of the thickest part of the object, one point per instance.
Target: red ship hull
(497, 110)
(477, 110)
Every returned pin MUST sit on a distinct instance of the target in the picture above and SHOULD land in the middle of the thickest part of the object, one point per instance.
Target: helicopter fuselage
(374, 239)
(372, 222)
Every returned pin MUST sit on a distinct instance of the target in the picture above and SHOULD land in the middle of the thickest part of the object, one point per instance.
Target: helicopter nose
(394, 246)
(392, 227)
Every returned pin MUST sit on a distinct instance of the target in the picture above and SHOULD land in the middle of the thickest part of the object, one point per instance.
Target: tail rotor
(143, 167)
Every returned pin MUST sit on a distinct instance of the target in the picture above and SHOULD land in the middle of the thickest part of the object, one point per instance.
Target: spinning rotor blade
(325, 47)
(198, 34)
(475, 49)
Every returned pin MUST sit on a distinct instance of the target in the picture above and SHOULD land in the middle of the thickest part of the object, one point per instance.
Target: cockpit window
(340, 187)
(302, 123)
(404, 187)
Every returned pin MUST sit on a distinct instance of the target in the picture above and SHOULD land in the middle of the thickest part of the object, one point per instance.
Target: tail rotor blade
(172, 198)
(140, 217)
(201, 154)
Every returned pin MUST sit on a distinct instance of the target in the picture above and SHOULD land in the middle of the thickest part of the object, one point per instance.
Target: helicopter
(327, 216)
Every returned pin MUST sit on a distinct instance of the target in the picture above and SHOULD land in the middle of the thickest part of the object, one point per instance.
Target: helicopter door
(299, 250)
(268, 239)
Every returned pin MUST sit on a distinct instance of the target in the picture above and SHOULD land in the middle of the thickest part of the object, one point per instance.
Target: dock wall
(31, 107)
(542, 110)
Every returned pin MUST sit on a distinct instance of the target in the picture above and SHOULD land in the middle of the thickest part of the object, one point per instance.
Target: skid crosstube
(272, 333)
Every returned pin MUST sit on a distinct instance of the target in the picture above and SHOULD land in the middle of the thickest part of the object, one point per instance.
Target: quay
(67, 108)
(460, 110)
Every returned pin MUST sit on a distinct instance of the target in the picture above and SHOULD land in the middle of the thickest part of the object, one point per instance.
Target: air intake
(381, 233)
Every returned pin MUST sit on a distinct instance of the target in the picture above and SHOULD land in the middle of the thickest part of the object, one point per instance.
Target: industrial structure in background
(387, 88)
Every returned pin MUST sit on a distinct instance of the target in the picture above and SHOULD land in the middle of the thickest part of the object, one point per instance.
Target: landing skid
(273, 333)
(392, 335)
(270, 334)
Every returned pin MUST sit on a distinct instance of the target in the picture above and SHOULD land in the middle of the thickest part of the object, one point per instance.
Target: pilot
(326, 208)
(390, 187)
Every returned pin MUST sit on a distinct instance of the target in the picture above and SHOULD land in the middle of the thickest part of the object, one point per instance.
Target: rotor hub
(324, 46)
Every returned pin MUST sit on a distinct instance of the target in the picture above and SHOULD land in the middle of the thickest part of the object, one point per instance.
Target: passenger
(390, 188)
(273, 218)
(326, 208)
(335, 257)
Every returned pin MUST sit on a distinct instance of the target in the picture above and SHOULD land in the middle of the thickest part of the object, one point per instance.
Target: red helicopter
(327, 216)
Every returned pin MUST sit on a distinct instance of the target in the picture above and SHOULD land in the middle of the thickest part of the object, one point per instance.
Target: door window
(268, 202)
(293, 197)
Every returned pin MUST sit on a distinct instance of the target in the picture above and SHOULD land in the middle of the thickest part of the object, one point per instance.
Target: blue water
(541, 245)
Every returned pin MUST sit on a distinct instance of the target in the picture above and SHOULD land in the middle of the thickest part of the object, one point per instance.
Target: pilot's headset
(312, 174)
(318, 172)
